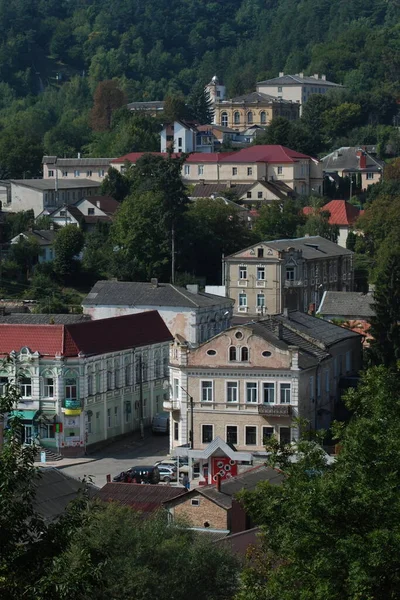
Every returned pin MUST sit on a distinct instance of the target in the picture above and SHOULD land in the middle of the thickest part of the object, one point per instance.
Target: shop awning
(47, 416)
(24, 415)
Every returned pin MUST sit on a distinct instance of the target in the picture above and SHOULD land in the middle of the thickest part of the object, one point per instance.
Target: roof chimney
(281, 74)
(154, 282)
(193, 288)
(316, 76)
(79, 155)
(98, 203)
(363, 159)
(301, 75)
(286, 313)
(323, 77)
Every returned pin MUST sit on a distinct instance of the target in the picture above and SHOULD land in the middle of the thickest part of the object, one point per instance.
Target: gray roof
(345, 158)
(44, 237)
(204, 190)
(150, 105)
(346, 304)
(77, 162)
(31, 318)
(63, 184)
(296, 79)
(139, 293)
(313, 246)
(255, 98)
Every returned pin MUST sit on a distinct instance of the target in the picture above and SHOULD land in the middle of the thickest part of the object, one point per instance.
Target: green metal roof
(24, 415)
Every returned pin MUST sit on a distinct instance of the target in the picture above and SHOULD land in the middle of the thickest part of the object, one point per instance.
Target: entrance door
(28, 434)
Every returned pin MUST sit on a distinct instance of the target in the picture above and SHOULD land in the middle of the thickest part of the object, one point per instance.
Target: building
(346, 306)
(255, 108)
(255, 379)
(181, 137)
(151, 107)
(215, 508)
(268, 277)
(146, 499)
(342, 214)
(216, 90)
(349, 161)
(270, 163)
(86, 382)
(94, 169)
(44, 194)
(86, 213)
(44, 238)
(297, 88)
(250, 194)
(193, 315)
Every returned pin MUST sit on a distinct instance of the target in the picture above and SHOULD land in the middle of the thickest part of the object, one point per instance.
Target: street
(116, 457)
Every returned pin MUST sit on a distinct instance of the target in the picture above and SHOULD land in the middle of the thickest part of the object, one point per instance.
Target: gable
(252, 252)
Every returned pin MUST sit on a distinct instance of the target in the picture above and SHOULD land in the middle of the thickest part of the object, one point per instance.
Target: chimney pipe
(154, 282)
(281, 74)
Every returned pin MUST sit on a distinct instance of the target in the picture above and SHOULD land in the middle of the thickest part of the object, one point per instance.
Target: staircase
(51, 455)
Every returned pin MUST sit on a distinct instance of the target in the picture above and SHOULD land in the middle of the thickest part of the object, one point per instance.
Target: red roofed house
(80, 383)
(302, 173)
(343, 214)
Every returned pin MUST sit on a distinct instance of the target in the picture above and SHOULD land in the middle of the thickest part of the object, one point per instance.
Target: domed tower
(216, 90)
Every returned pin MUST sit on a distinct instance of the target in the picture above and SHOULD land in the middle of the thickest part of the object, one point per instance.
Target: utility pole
(191, 423)
(173, 255)
(141, 396)
(56, 182)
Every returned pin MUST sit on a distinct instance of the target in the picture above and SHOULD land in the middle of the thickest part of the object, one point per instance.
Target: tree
(115, 184)
(317, 223)
(279, 220)
(68, 244)
(200, 107)
(108, 97)
(25, 255)
(385, 325)
(333, 532)
(277, 132)
(174, 108)
(392, 170)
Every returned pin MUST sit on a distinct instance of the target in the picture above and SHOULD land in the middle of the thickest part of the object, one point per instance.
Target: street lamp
(168, 386)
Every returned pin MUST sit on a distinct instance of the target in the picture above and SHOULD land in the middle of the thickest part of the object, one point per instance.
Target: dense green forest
(54, 53)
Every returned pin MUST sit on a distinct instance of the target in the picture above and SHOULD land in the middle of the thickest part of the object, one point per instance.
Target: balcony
(275, 410)
(71, 406)
(293, 283)
(170, 405)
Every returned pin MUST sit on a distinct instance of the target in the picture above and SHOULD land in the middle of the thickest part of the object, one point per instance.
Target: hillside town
(199, 319)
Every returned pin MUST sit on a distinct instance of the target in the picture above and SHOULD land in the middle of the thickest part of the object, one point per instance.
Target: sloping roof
(346, 159)
(139, 293)
(254, 98)
(341, 212)
(343, 304)
(296, 79)
(146, 105)
(204, 190)
(106, 203)
(76, 162)
(44, 237)
(238, 543)
(49, 184)
(312, 247)
(34, 319)
(322, 331)
(144, 498)
(87, 337)
(54, 491)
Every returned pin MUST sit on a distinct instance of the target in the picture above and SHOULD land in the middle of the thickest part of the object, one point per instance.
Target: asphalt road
(117, 457)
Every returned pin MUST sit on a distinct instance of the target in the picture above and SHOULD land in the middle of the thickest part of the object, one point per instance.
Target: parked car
(167, 473)
(139, 474)
(160, 423)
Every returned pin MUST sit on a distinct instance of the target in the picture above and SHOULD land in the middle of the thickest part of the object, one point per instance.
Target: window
(176, 431)
(269, 393)
(251, 436)
(65, 173)
(236, 118)
(77, 173)
(284, 435)
(285, 393)
(260, 251)
(89, 423)
(244, 354)
(250, 117)
(231, 391)
(26, 387)
(370, 175)
(267, 433)
(51, 173)
(117, 374)
(101, 173)
(3, 385)
(145, 369)
(63, 213)
(249, 170)
(280, 170)
(128, 380)
(243, 272)
(260, 273)
(180, 142)
(206, 434)
(279, 89)
(70, 389)
(259, 195)
(90, 211)
(128, 411)
(289, 273)
(165, 366)
(195, 502)
(116, 416)
(109, 376)
(242, 299)
(176, 389)
(187, 169)
(48, 387)
(97, 422)
(108, 418)
(206, 391)
(224, 119)
(90, 382)
(231, 434)
(248, 195)
(251, 392)
(89, 173)
(232, 353)
(234, 170)
(200, 170)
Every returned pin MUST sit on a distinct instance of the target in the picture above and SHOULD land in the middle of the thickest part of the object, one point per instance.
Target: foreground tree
(279, 220)
(333, 532)
(200, 107)
(107, 98)
(67, 246)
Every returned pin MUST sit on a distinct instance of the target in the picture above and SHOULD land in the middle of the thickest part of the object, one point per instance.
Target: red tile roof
(341, 212)
(90, 337)
(308, 210)
(143, 498)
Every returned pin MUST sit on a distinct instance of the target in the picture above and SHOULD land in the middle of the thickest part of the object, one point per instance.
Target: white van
(160, 423)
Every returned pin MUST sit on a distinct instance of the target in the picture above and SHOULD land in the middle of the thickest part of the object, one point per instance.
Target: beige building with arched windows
(253, 109)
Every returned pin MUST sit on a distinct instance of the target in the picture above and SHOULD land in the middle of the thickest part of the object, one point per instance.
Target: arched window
(117, 371)
(232, 353)
(127, 371)
(263, 117)
(250, 117)
(90, 381)
(224, 119)
(157, 364)
(236, 117)
(245, 354)
(97, 378)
